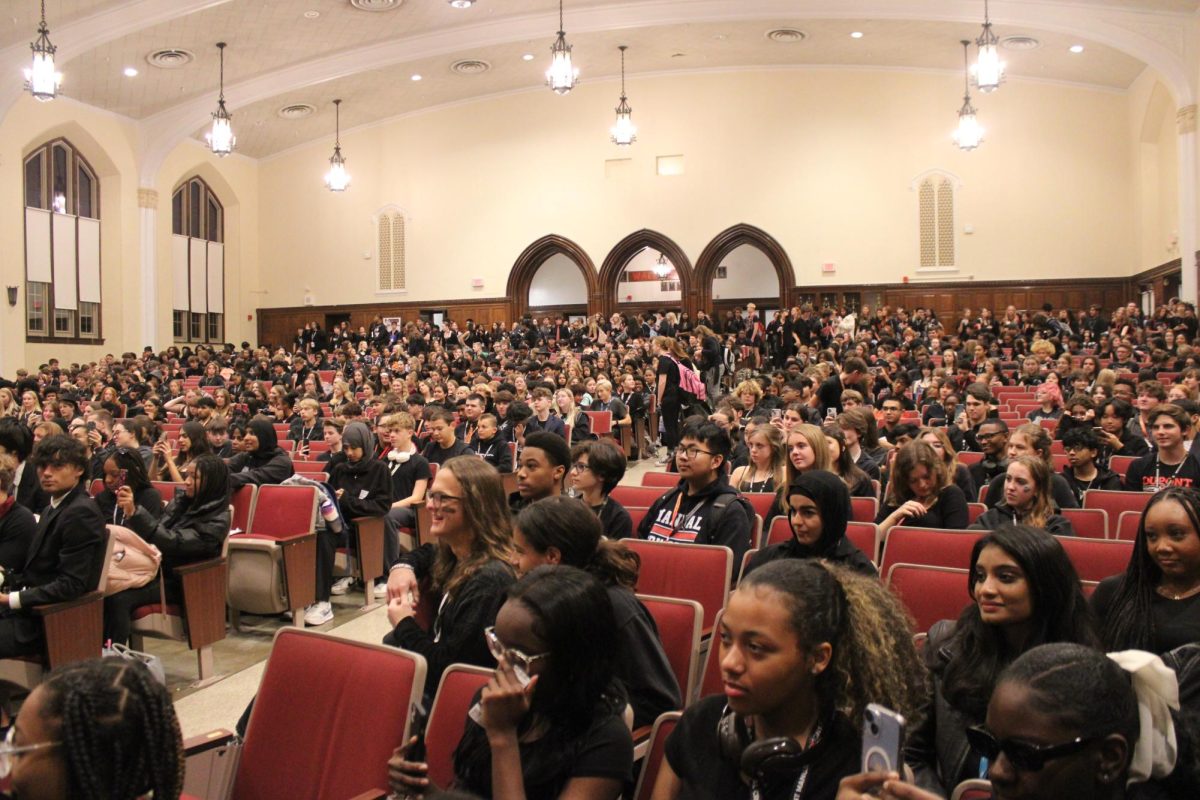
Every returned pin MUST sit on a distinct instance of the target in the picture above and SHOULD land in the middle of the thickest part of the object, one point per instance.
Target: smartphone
(122, 478)
(776, 413)
(882, 739)
(416, 727)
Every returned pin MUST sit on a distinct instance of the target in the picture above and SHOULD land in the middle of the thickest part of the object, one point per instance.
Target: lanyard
(755, 794)
(1157, 465)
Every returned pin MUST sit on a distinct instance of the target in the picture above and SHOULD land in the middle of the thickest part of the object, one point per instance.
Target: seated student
(571, 414)
(127, 488)
(560, 530)
(605, 401)
(1081, 472)
(856, 424)
(940, 442)
(1051, 399)
(596, 469)
(472, 410)
(489, 445)
(307, 427)
(765, 470)
(193, 528)
(561, 734)
(64, 561)
(1025, 592)
(444, 444)
(1027, 500)
(331, 430)
(1032, 440)
(468, 569)
(1065, 718)
(364, 489)
(1115, 437)
(17, 441)
(542, 419)
(818, 511)
(98, 728)
(703, 508)
(17, 524)
(541, 468)
(992, 436)
(217, 433)
(804, 647)
(410, 476)
(921, 493)
(841, 464)
(1154, 605)
(135, 434)
(171, 466)
(259, 459)
(1170, 464)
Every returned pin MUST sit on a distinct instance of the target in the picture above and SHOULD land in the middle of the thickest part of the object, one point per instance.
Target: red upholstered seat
(678, 623)
(448, 718)
(157, 608)
(699, 572)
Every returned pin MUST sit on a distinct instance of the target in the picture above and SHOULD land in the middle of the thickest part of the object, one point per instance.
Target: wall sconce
(12, 295)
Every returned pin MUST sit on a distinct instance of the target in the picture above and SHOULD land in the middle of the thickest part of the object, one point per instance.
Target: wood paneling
(277, 326)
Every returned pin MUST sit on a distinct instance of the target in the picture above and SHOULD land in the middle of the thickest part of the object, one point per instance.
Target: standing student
(1170, 464)
(703, 508)
(668, 355)
(804, 647)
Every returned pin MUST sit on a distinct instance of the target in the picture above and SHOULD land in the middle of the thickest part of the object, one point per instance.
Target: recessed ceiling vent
(1020, 43)
(470, 66)
(297, 111)
(787, 35)
(376, 5)
(170, 58)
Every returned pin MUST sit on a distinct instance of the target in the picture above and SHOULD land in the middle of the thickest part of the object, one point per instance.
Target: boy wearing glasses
(703, 508)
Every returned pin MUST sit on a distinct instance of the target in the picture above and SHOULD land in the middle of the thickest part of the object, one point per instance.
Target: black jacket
(693, 524)
(937, 749)
(148, 498)
(29, 490)
(366, 488)
(64, 559)
(844, 553)
(1001, 515)
(267, 464)
(642, 664)
(185, 534)
(494, 451)
(16, 533)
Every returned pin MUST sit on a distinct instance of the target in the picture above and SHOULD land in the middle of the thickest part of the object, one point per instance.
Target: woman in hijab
(260, 459)
(192, 528)
(818, 510)
(363, 487)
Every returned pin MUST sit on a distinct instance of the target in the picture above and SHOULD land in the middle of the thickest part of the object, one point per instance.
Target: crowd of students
(813, 407)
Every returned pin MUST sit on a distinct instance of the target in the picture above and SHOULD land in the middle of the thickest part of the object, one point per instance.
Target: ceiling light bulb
(1076, 48)
(416, 77)
(130, 72)
(527, 57)
(856, 35)
(461, 3)
(41, 79)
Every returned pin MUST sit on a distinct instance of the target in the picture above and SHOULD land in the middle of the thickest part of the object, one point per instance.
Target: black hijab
(832, 499)
(268, 444)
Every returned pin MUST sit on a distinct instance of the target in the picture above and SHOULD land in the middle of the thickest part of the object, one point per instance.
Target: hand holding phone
(882, 739)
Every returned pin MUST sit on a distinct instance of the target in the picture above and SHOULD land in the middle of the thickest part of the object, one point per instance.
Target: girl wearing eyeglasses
(466, 570)
(95, 729)
(804, 647)
(1025, 593)
(550, 722)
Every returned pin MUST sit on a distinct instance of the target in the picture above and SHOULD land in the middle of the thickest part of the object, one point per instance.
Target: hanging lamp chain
(623, 71)
(966, 43)
(560, 17)
(337, 129)
(221, 48)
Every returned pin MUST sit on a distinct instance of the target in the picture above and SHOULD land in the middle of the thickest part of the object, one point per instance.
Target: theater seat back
(305, 737)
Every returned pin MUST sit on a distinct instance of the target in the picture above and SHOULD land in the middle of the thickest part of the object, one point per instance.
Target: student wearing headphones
(801, 642)
(410, 475)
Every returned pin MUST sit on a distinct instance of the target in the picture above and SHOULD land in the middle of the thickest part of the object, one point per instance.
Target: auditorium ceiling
(301, 54)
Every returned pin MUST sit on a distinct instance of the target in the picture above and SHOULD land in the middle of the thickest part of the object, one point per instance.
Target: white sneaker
(662, 462)
(381, 589)
(318, 614)
(341, 586)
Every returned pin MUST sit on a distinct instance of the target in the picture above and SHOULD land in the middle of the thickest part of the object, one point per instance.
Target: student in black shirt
(790, 671)
(1171, 465)
(541, 469)
(1082, 473)
(1115, 437)
(444, 443)
(596, 469)
(410, 476)
(922, 493)
(489, 445)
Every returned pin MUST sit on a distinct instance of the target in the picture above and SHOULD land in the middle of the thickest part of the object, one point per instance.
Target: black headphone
(760, 760)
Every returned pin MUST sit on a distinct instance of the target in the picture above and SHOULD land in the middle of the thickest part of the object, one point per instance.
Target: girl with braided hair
(805, 646)
(96, 730)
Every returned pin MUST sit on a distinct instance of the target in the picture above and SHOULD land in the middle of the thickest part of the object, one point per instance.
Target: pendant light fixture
(337, 179)
(562, 75)
(969, 134)
(989, 69)
(624, 132)
(221, 139)
(662, 267)
(40, 79)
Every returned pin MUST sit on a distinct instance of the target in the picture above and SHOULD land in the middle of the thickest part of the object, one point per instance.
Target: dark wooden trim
(627, 248)
(726, 242)
(520, 277)
(1161, 271)
(381, 304)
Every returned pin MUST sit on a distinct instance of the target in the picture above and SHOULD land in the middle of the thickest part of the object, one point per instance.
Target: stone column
(147, 241)
(1185, 120)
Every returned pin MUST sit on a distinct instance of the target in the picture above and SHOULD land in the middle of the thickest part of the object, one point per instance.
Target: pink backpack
(690, 382)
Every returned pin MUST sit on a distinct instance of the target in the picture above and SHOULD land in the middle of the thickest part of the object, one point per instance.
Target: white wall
(558, 282)
(647, 291)
(749, 274)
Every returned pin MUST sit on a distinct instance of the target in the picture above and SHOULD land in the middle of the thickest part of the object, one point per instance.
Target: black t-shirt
(405, 475)
(694, 754)
(1176, 622)
(1148, 474)
(435, 454)
(667, 366)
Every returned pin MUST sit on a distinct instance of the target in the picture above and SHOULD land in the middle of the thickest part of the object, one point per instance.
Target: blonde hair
(821, 460)
(401, 420)
(777, 442)
(751, 387)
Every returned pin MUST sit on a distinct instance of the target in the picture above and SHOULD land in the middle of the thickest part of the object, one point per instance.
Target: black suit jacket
(29, 490)
(65, 556)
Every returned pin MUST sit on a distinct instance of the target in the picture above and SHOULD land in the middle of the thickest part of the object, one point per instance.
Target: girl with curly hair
(805, 646)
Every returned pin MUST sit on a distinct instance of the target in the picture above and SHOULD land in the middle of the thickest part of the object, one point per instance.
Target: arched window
(392, 276)
(935, 197)
(62, 245)
(198, 263)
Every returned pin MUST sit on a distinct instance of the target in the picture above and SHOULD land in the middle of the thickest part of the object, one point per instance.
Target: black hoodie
(366, 485)
(687, 518)
(267, 464)
(832, 498)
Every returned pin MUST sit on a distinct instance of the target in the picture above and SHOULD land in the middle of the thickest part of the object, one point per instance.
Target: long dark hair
(1129, 625)
(130, 460)
(120, 735)
(214, 479)
(1060, 614)
(197, 439)
(569, 526)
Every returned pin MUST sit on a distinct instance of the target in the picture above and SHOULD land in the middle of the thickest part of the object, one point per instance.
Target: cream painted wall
(558, 282)
(749, 274)
(821, 159)
(1154, 142)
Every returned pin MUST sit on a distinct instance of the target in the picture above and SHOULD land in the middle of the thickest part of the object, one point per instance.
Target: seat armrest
(51, 609)
(74, 629)
(200, 566)
(372, 794)
(207, 741)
